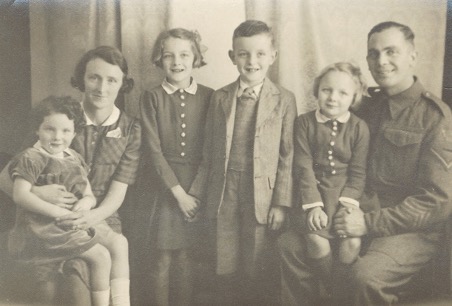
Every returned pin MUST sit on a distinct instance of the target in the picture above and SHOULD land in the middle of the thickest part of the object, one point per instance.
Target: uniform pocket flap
(402, 138)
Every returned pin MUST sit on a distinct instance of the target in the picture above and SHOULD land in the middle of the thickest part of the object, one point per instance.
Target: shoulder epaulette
(444, 108)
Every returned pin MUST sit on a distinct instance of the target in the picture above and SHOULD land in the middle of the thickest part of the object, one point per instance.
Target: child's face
(336, 93)
(102, 84)
(56, 133)
(177, 61)
(253, 56)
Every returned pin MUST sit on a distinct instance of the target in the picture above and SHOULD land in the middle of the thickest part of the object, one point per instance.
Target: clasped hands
(347, 222)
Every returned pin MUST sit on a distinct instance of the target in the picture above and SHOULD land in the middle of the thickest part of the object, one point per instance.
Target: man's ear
(274, 55)
(232, 56)
(413, 57)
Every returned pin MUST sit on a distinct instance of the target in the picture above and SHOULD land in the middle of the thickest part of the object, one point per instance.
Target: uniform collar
(400, 101)
(242, 86)
(114, 116)
(66, 152)
(170, 88)
(322, 118)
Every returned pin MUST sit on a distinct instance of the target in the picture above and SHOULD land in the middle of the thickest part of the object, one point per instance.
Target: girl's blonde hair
(352, 70)
(192, 36)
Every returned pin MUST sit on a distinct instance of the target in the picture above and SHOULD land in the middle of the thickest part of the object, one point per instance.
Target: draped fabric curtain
(310, 34)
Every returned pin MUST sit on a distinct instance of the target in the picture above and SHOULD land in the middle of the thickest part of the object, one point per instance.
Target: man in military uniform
(409, 176)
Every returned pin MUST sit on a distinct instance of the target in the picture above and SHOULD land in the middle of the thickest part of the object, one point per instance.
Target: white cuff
(311, 205)
(349, 201)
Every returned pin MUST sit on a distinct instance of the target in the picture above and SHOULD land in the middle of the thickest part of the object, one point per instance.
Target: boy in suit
(245, 177)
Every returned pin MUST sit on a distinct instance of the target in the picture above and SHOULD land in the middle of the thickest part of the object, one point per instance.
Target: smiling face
(177, 61)
(56, 133)
(391, 60)
(102, 84)
(253, 56)
(336, 93)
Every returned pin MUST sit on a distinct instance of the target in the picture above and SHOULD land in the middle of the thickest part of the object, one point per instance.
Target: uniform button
(335, 123)
(182, 115)
(182, 154)
(332, 164)
(330, 152)
(334, 128)
(182, 97)
(427, 94)
(183, 125)
(330, 157)
(93, 143)
(333, 172)
(182, 144)
(181, 90)
(332, 143)
(182, 104)
(182, 134)
(333, 133)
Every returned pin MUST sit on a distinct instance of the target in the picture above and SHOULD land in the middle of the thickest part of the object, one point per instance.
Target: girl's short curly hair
(192, 36)
(352, 70)
(109, 54)
(58, 105)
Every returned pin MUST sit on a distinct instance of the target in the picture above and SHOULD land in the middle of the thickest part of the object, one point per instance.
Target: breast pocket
(399, 156)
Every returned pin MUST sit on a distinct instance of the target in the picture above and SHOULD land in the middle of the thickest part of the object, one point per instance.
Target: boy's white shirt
(242, 86)
(320, 118)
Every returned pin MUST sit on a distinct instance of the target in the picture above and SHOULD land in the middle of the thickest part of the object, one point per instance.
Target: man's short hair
(406, 30)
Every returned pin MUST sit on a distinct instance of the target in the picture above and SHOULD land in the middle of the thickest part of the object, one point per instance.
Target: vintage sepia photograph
(225, 152)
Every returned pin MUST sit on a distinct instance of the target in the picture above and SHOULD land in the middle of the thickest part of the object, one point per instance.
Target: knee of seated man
(363, 274)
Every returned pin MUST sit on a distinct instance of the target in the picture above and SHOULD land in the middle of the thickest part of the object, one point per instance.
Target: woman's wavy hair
(109, 54)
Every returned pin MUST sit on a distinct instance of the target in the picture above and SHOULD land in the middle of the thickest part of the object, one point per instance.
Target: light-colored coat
(273, 149)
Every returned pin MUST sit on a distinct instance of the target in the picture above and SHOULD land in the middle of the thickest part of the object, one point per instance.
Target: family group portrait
(225, 152)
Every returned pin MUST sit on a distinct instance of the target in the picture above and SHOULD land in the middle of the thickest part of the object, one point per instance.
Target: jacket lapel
(267, 101)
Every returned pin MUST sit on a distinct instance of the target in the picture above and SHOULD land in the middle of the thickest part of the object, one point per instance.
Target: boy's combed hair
(58, 105)
(109, 54)
(406, 30)
(253, 27)
(193, 36)
(352, 70)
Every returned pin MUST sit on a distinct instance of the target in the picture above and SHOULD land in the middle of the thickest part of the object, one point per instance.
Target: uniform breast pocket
(399, 156)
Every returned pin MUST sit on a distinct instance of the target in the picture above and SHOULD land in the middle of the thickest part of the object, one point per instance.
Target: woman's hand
(55, 194)
(82, 219)
(317, 219)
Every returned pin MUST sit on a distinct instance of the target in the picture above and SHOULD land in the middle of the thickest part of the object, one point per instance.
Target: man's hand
(55, 194)
(349, 222)
(276, 217)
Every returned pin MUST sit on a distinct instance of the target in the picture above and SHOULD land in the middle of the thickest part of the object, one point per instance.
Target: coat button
(182, 154)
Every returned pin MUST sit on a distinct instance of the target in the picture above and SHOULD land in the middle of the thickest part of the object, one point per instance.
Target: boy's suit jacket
(273, 149)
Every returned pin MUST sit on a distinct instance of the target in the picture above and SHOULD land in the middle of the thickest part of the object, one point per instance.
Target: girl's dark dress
(173, 128)
(329, 163)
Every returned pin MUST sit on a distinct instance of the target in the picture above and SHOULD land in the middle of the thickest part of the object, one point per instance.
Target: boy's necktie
(248, 94)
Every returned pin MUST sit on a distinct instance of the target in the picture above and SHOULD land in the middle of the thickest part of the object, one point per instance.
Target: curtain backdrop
(310, 34)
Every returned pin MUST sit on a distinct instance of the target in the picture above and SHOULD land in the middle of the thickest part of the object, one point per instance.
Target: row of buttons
(183, 125)
(332, 143)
